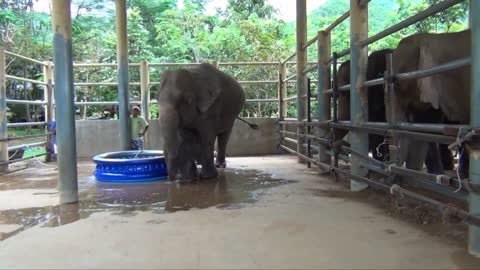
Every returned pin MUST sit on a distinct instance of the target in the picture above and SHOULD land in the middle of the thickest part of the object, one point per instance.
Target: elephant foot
(220, 164)
(208, 174)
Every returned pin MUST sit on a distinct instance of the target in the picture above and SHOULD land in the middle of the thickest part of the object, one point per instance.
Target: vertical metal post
(324, 112)
(309, 119)
(47, 93)
(358, 94)
(64, 100)
(301, 64)
(122, 69)
(335, 105)
(145, 89)
(390, 104)
(474, 200)
(3, 113)
(470, 13)
(282, 91)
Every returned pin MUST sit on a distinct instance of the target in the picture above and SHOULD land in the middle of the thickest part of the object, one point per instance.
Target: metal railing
(329, 152)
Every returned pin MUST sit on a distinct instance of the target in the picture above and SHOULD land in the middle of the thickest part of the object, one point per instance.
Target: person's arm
(145, 127)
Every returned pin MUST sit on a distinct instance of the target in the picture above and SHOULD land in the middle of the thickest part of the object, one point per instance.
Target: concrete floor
(247, 219)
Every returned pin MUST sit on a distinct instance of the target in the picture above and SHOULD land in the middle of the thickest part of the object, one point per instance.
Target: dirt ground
(263, 212)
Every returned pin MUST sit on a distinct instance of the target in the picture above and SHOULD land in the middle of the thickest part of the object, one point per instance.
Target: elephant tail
(252, 126)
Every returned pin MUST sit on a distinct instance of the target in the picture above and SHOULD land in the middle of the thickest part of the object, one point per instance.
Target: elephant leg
(208, 168)
(447, 157)
(189, 170)
(222, 141)
(433, 160)
(463, 163)
(416, 155)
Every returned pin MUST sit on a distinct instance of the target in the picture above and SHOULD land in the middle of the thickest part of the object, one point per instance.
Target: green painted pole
(122, 71)
(474, 232)
(301, 80)
(358, 93)
(324, 109)
(3, 114)
(64, 100)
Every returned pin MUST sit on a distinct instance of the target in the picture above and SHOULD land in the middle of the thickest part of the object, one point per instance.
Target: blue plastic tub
(130, 166)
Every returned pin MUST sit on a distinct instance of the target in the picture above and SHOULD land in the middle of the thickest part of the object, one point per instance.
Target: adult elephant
(202, 101)
(376, 67)
(447, 95)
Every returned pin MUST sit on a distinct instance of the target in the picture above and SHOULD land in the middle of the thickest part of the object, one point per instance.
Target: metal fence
(145, 84)
(311, 135)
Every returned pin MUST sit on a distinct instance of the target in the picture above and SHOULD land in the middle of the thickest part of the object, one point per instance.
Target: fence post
(64, 95)
(145, 89)
(474, 198)
(390, 105)
(324, 109)
(3, 113)
(282, 91)
(358, 94)
(301, 64)
(122, 67)
(47, 93)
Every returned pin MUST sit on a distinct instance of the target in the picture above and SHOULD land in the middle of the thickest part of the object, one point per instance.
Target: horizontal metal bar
(102, 83)
(173, 64)
(22, 159)
(449, 130)
(313, 161)
(310, 42)
(110, 65)
(289, 58)
(290, 78)
(290, 140)
(248, 63)
(288, 133)
(11, 77)
(267, 100)
(9, 139)
(374, 82)
(434, 70)
(434, 9)
(380, 131)
(104, 103)
(307, 70)
(338, 21)
(28, 145)
(30, 102)
(26, 124)
(258, 82)
(290, 98)
(25, 58)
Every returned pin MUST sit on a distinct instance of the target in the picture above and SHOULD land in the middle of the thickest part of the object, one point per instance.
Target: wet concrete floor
(232, 189)
(248, 219)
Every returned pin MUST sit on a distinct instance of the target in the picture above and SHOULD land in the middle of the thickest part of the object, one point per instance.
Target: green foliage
(158, 31)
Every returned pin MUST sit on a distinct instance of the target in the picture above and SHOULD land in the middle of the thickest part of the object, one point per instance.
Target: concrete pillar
(282, 91)
(474, 200)
(48, 98)
(301, 64)
(145, 89)
(64, 100)
(358, 93)
(324, 109)
(470, 13)
(3, 113)
(122, 69)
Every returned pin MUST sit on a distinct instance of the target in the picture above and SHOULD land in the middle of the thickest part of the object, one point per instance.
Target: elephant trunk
(169, 122)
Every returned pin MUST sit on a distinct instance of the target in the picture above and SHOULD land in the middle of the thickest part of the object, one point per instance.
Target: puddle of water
(233, 188)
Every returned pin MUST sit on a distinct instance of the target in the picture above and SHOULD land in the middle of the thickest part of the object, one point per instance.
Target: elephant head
(430, 99)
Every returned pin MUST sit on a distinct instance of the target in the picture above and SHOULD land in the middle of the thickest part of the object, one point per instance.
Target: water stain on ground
(232, 189)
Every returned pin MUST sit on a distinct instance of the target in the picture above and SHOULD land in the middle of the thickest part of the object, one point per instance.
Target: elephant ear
(208, 86)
